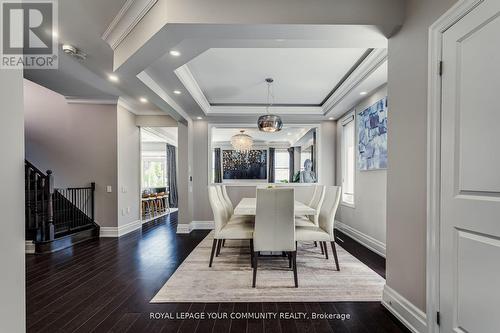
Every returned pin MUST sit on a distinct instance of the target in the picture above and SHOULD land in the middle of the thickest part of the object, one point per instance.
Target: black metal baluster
(38, 235)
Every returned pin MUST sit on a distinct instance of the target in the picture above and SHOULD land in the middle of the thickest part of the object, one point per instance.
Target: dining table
(248, 206)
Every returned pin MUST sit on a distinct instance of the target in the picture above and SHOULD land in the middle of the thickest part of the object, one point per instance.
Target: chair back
(227, 209)
(274, 221)
(329, 209)
(318, 196)
(229, 204)
(218, 209)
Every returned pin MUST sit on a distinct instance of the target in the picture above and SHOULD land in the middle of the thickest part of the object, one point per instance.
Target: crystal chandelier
(269, 122)
(242, 142)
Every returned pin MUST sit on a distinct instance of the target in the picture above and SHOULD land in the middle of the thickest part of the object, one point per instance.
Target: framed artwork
(247, 165)
(372, 136)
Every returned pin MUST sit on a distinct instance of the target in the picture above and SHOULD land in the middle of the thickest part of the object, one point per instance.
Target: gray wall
(201, 208)
(183, 183)
(12, 288)
(326, 152)
(406, 174)
(76, 141)
(128, 162)
(369, 213)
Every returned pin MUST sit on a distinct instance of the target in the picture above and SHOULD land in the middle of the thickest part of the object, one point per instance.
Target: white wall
(406, 174)
(368, 216)
(76, 141)
(12, 288)
(128, 167)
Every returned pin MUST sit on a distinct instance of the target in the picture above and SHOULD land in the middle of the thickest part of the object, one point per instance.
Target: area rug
(230, 277)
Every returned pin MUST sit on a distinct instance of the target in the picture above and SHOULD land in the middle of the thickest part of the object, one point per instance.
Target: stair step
(69, 240)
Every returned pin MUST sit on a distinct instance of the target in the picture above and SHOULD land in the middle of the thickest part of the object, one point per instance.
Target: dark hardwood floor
(105, 286)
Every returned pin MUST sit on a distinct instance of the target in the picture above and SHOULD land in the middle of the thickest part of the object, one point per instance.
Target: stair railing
(38, 203)
(51, 212)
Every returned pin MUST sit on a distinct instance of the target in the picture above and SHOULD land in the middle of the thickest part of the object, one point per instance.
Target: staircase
(57, 218)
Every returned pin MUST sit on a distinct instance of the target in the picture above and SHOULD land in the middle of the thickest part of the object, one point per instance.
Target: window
(348, 167)
(154, 169)
(281, 165)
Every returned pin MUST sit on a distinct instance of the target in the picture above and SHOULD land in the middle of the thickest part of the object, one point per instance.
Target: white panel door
(470, 173)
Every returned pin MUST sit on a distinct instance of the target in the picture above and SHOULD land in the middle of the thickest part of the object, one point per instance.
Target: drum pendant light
(269, 122)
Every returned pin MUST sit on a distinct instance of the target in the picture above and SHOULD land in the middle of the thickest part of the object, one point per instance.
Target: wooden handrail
(26, 162)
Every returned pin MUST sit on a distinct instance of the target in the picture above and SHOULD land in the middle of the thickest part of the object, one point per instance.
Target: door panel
(478, 116)
(478, 270)
(470, 173)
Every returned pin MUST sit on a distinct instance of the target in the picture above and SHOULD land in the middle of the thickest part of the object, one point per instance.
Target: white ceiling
(288, 135)
(303, 76)
(309, 59)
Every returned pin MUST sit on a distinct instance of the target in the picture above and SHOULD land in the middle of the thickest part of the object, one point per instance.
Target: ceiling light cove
(228, 81)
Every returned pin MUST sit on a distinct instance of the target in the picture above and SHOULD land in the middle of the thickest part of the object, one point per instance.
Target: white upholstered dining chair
(324, 232)
(274, 226)
(315, 202)
(221, 190)
(226, 201)
(224, 226)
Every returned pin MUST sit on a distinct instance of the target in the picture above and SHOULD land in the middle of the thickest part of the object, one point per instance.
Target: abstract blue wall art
(372, 136)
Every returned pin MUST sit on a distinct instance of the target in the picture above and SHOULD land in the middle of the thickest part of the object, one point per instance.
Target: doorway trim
(436, 31)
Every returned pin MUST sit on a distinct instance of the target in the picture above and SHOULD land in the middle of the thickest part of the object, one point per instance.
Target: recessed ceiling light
(288, 133)
(113, 78)
(177, 92)
(199, 118)
(143, 100)
(331, 118)
(174, 53)
(363, 93)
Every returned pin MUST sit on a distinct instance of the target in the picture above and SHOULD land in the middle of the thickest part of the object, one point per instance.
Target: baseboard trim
(411, 316)
(121, 230)
(194, 225)
(29, 247)
(367, 241)
(172, 210)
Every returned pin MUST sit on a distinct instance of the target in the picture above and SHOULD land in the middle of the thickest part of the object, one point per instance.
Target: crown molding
(258, 110)
(187, 79)
(373, 61)
(127, 18)
(91, 100)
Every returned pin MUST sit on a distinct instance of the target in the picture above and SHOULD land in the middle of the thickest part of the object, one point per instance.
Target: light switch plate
(109, 189)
